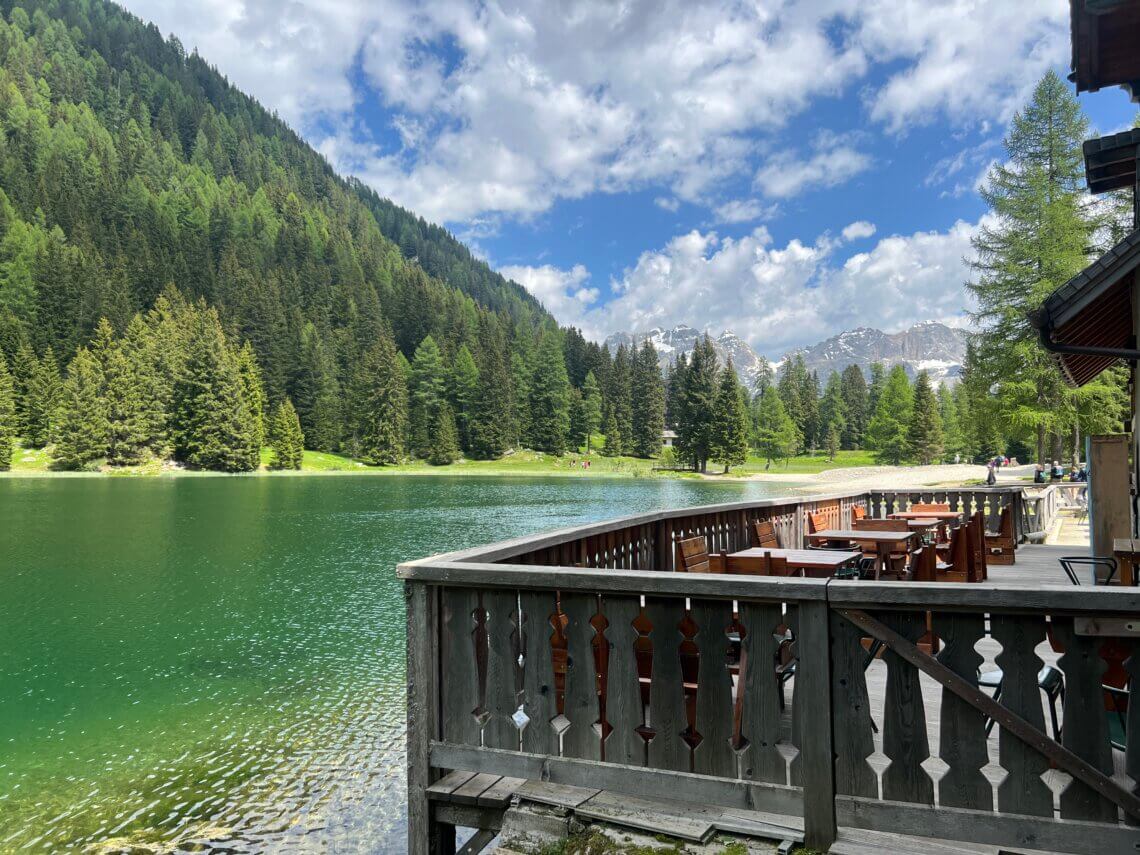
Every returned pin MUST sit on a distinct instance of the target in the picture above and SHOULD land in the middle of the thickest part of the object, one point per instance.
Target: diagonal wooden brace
(1015, 724)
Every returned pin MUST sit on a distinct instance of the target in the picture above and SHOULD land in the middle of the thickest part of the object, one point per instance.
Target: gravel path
(884, 477)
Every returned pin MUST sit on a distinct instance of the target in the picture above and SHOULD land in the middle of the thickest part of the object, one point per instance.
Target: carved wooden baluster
(905, 739)
(667, 748)
(1085, 730)
(581, 738)
(1022, 790)
(539, 701)
(962, 742)
(624, 711)
(714, 754)
(851, 713)
(459, 682)
(500, 731)
(758, 695)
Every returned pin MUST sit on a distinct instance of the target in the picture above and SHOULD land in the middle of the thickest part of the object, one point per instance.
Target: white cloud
(833, 163)
(858, 230)
(781, 297)
(667, 203)
(504, 108)
(744, 211)
(563, 292)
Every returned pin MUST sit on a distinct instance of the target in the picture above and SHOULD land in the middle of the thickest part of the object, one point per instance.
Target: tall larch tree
(7, 416)
(491, 411)
(695, 405)
(253, 387)
(41, 402)
(951, 429)
(888, 434)
(647, 403)
(1037, 237)
(125, 398)
(730, 429)
(550, 397)
(854, 387)
(591, 407)
(427, 392)
(444, 438)
(619, 397)
(776, 435)
(833, 413)
(286, 441)
(925, 431)
(462, 389)
(80, 427)
(382, 404)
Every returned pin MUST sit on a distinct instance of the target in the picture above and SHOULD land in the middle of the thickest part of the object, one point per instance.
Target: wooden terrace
(577, 675)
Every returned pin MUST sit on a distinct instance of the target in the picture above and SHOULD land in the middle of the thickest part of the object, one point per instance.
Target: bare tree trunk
(1041, 444)
(1058, 450)
(1076, 445)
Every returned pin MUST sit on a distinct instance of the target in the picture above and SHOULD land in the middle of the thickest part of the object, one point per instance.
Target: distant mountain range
(932, 346)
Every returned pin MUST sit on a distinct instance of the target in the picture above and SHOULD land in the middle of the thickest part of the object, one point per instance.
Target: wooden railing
(665, 685)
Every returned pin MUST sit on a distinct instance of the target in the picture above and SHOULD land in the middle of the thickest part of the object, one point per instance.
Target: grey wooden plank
(674, 819)
(758, 695)
(813, 678)
(477, 842)
(851, 715)
(558, 795)
(448, 784)
(905, 739)
(667, 748)
(459, 682)
(539, 701)
(498, 795)
(624, 711)
(986, 596)
(467, 816)
(1085, 730)
(500, 730)
(635, 780)
(423, 712)
(1022, 791)
(714, 754)
(581, 738)
(469, 791)
(962, 739)
(995, 829)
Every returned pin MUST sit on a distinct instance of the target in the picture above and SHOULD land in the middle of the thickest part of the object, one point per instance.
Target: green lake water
(217, 664)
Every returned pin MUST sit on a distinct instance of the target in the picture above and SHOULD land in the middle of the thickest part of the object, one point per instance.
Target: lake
(217, 663)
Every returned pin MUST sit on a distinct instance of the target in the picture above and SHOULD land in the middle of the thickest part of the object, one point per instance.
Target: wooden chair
(977, 541)
(764, 534)
(1000, 545)
(694, 555)
(895, 561)
(924, 565)
(930, 508)
(858, 512)
(817, 521)
(957, 569)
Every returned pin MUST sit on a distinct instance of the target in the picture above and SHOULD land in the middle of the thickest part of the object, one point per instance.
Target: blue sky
(785, 170)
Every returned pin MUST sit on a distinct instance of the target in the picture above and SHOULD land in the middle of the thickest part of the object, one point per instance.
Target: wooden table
(816, 563)
(1127, 552)
(883, 540)
(941, 516)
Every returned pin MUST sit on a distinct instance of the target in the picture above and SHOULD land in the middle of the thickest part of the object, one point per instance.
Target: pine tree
(695, 405)
(832, 442)
(44, 389)
(79, 426)
(854, 387)
(875, 388)
(925, 430)
(149, 357)
(381, 394)
(648, 403)
(523, 369)
(790, 387)
(492, 406)
(464, 386)
(7, 416)
(1037, 237)
(444, 440)
(832, 411)
(776, 435)
(619, 397)
(125, 396)
(951, 431)
(286, 438)
(24, 367)
(427, 392)
(254, 389)
(591, 407)
(613, 446)
(729, 444)
(888, 432)
(211, 425)
(550, 397)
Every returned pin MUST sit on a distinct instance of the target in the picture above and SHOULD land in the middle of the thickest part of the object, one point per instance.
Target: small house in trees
(668, 438)
(1092, 321)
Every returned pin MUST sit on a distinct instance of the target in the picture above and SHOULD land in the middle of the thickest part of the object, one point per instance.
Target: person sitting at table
(1039, 474)
(1056, 472)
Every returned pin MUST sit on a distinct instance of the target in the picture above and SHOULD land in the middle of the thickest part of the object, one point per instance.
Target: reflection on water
(217, 664)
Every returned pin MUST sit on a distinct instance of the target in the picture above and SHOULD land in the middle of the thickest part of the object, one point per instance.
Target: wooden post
(1110, 512)
(817, 762)
(425, 836)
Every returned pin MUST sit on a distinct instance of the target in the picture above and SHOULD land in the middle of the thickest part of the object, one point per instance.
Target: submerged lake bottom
(217, 664)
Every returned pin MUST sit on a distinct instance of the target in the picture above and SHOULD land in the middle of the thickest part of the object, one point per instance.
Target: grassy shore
(37, 461)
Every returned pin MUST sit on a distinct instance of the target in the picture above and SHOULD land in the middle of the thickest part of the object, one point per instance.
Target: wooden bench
(1001, 545)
